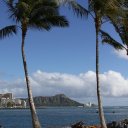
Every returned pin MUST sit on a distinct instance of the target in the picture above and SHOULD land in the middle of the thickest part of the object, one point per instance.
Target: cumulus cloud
(83, 85)
(121, 54)
(72, 85)
(16, 87)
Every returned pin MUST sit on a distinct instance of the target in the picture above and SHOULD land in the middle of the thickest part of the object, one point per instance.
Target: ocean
(59, 117)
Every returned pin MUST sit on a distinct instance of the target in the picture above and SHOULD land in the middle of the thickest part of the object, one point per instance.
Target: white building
(7, 101)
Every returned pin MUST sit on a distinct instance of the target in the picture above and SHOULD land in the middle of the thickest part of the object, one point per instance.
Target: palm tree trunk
(35, 121)
(101, 113)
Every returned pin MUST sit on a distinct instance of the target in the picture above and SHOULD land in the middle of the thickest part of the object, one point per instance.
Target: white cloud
(121, 54)
(113, 84)
(16, 87)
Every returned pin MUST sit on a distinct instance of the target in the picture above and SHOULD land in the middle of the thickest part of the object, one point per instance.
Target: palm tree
(7, 31)
(100, 11)
(39, 14)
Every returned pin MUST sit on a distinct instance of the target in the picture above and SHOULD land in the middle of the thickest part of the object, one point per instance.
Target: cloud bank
(83, 85)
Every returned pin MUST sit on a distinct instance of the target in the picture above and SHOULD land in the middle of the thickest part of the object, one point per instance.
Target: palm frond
(95, 5)
(40, 26)
(45, 15)
(44, 8)
(78, 9)
(116, 22)
(17, 10)
(121, 26)
(8, 31)
(48, 22)
(59, 21)
(111, 8)
(106, 38)
(11, 9)
(40, 14)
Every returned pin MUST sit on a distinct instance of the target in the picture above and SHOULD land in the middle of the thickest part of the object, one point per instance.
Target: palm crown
(106, 9)
(40, 14)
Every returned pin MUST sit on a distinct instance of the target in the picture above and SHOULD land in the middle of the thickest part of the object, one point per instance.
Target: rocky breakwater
(113, 124)
(82, 125)
(118, 124)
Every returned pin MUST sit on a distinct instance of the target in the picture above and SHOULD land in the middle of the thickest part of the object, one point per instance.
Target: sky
(62, 61)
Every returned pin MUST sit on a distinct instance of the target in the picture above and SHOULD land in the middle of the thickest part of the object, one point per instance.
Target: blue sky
(61, 51)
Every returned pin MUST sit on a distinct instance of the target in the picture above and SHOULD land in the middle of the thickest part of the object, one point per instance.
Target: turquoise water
(58, 117)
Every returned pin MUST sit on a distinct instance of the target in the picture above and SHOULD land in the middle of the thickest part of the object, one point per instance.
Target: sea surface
(59, 117)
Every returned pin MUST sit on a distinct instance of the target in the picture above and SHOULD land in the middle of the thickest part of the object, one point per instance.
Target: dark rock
(77, 125)
(113, 124)
(119, 124)
(1, 126)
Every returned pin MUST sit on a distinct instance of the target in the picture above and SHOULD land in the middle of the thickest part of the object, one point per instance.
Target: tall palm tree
(100, 11)
(7, 31)
(39, 14)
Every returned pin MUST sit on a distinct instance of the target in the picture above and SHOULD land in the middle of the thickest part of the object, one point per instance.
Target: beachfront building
(6, 95)
(8, 101)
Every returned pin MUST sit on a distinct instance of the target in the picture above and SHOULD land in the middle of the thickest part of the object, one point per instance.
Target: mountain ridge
(56, 100)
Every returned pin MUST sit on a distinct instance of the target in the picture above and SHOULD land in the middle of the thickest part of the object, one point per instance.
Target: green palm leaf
(107, 8)
(79, 10)
(7, 31)
(48, 22)
(106, 38)
(121, 27)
